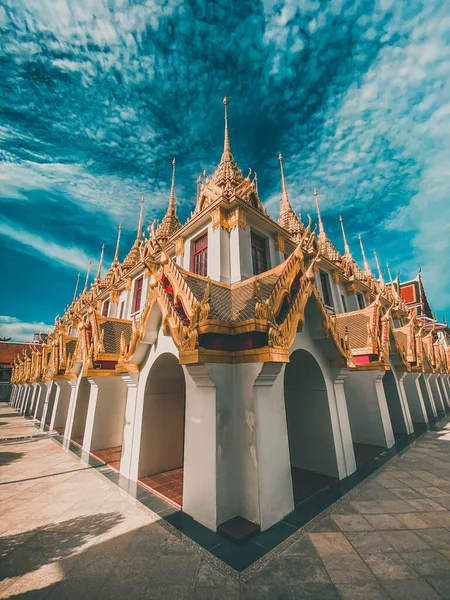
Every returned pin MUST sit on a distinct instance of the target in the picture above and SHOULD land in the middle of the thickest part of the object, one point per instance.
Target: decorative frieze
(279, 242)
(179, 246)
(237, 217)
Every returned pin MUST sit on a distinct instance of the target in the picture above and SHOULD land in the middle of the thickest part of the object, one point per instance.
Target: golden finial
(366, 264)
(346, 246)
(116, 255)
(380, 272)
(76, 288)
(199, 183)
(284, 193)
(255, 181)
(141, 218)
(100, 263)
(87, 276)
(319, 217)
(172, 188)
(389, 273)
(226, 143)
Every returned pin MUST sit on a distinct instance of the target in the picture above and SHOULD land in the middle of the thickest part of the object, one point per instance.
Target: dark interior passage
(365, 452)
(81, 409)
(394, 404)
(426, 397)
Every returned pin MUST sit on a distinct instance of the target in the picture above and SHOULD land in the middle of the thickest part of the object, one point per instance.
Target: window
(199, 261)
(326, 289)
(105, 308)
(360, 300)
(344, 303)
(137, 294)
(259, 254)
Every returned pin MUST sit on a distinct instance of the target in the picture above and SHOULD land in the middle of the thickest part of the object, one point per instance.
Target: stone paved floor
(67, 532)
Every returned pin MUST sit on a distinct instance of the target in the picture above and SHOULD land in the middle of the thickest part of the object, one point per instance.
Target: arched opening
(438, 400)
(162, 437)
(426, 397)
(311, 443)
(444, 393)
(80, 414)
(394, 405)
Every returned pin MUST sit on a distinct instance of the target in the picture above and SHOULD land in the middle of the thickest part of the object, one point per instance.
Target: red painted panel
(408, 293)
(363, 360)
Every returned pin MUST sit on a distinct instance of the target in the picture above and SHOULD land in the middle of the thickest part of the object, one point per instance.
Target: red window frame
(137, 294)
(259, 253)
(199, 255)
(105, 308)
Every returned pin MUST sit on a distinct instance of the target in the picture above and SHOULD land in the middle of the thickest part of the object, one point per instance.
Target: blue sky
(97, 96)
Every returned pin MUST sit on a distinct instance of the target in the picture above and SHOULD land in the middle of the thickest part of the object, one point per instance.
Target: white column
(446, 395)
(24, 399)
(131, 381)
(413, 392)
(74, 387)
(49, 385)
(368, 412)
(33, 398)
(54, 405)
(60, 412)
(343, 434)
(276, 497)
(438, 400)
(399, 376)
(13, 395)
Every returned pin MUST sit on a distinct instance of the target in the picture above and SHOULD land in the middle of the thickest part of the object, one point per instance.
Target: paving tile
(427, 563)
(362, 591)
(412, 521)
(439, 518)
(326, 525)
(369, 507)
(303, 569)
(369, 542)
(388, 566)
(437, 538)
(405, 541)
(425, 505)
(352, 523)
(381, 522)
(404, 589)
(314, 591)
(395, 506)
(433, 492)
(441, 585)
(265, 592)
(347, 568)
(330, 543)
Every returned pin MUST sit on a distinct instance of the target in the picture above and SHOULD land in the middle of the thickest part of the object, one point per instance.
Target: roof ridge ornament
(322, 236)
(346, 246)
(380, 272)
(76, 288)
(100, 263)
(116, 254)
(141, 218)
(367, 270)
(88, 272)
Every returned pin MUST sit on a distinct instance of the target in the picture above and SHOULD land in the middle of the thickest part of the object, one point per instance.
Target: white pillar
(49, 385)
(276, 497)
(24, 399)
(413, 392)
(343, 434)
(13, 395)
(131, 381)
(368, 412)
(60, 411)
(398, 377)
(427, 396)
(445, 394)
(438, 400)
(74, 387)
(33, 398)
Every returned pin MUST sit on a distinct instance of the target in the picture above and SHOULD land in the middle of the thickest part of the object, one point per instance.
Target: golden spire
(255, 181)
(227, 173)
(389, 273)
(141, 218)
(284, 194)
(99, 272)
(87, 276)
(226, 141)
(287, 219)
(76, 288)
(322, 235)
(116, 255)
(380, 272)
(346, 246)
(169, 223)
(366, 264)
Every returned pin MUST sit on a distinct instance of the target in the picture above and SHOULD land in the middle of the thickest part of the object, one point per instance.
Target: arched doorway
(394, 404)
(80, 414)
(311, 443)
(162, 439)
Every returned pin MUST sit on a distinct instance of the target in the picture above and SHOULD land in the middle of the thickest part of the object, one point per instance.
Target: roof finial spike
(389, 273)
(346, 246)
(366, 264)
(76, 288)
(172, 188)
(99, 272)
(380, 272)
(226, 142)
(199, 183)
(87, 276)
(284, 193)
(116, 255)
(141, 219)
(322, 235)
(255, 181)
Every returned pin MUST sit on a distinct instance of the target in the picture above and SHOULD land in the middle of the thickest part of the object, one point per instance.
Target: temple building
(235, 364)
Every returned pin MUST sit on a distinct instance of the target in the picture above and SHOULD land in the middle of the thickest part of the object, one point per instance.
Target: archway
(394, 404)
(162, 437)
(311, 443)
(80, 414)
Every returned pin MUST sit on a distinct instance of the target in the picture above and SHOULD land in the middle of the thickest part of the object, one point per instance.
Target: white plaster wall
(62, 408)
(40, 399)
(438, 400)
(368, 413)
(415, 399)
(427, 397)
(106, 413)
(394, 403)
(50, 403)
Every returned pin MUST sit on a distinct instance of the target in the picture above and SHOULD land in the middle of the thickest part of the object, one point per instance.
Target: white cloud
(67, 256)
(21, 331)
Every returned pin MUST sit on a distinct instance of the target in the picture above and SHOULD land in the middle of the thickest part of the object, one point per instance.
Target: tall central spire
(116, 254)
(227, 173)
(367, 270)
(288, 219)
(169, 224)
(346, 246)
(141, 218)
(322, 236)
(100, 263)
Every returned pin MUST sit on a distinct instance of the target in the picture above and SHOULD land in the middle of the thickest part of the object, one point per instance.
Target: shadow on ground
(6, 458)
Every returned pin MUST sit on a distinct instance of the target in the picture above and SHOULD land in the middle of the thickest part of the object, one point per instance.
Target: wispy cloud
(21, 331)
